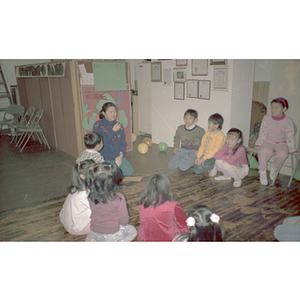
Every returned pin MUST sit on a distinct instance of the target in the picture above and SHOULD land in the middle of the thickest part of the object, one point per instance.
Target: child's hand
(176, 150)
(199, 161)
(116, 127)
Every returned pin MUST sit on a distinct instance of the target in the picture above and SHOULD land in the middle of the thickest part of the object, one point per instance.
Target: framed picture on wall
(218, 61)
(192, 88)
(181, 62)
(220, 78)
(179, 74)
(199, 67)
(204, 89)
(179, 90)
(156, 73)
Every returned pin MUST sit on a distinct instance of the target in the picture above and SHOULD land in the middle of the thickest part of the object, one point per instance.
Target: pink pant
(236, 172)
(265, 153)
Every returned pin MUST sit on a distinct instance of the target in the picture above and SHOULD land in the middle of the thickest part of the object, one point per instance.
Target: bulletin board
(94, 78)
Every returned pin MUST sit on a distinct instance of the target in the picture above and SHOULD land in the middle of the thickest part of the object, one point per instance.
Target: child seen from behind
(204, 226)
(93, 142)
(212, 141)
(75, 213)
(189, 136)
(231, 160)
(109, 218)
(161, 218)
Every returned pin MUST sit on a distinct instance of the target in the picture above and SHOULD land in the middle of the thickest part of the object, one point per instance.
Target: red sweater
(107, 217)
(226, 153)
(161, 223)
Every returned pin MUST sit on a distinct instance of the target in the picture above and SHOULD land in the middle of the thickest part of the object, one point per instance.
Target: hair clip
(109, 165)
(190, 221)
(214, 218)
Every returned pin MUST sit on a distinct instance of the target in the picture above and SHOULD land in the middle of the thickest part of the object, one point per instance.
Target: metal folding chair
(32, 128)
(251, 151)
(25, 121)
(16, 111)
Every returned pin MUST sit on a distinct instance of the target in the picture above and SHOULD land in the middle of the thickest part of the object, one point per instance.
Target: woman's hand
(116, 127)
(119, 159)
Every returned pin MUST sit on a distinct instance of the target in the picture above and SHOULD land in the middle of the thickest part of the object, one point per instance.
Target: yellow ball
(142, 148)
(133, 137)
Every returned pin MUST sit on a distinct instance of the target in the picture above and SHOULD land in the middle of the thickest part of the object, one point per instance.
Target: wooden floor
(249, 213)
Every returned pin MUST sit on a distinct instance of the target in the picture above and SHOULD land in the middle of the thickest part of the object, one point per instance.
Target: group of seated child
(95, 206)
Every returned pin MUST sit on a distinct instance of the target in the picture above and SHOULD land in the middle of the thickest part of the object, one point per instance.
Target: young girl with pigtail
(232, 160)
(75, 213)
(109, 217)
(203, 225)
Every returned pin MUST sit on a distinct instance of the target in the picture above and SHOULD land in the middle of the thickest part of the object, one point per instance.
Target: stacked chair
(28, 130)
(17, 112)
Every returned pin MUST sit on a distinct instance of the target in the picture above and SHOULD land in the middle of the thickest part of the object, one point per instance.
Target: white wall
(241, 99)
(167, 113)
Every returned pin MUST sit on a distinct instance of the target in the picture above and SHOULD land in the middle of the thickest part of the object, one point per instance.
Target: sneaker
(263, 178)
(237, 183)
(222, 178)
(213, 172)
(273, 173)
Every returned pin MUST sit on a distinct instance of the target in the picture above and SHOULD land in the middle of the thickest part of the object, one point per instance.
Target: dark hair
(157, 191)
(105, 107)
(103, 182)
(92, 139)
(204, 230)
(77, 183)
(191, 112)
(216, 119)
(239, 134)
(282, 101)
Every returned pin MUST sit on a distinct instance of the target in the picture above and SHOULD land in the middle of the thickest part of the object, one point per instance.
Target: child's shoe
(222, 178)
(263, 178)
(273, 173)
(213, 172)
(237, 183)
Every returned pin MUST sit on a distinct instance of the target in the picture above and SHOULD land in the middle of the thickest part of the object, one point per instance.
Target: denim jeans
(183, 159)
(125, 166)
(207, 166)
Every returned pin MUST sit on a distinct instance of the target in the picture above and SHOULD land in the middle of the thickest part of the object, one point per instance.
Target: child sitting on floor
(212, 141)
(161, 217)
(75, 213)
(204, 226)
(109, 218)
(231, 160)
(189, 136)
(93, 142)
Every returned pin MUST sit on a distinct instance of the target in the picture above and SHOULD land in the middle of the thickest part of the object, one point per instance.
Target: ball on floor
(162, 146)
(142, 148)
(147, 141)
(133, 137)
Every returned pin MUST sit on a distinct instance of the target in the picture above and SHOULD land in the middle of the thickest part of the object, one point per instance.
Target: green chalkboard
(109, 76)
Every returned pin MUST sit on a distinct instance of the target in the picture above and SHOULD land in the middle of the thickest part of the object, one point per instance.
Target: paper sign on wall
(109, 76)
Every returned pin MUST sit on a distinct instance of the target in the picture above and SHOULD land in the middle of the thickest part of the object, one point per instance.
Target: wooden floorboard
(248, 213)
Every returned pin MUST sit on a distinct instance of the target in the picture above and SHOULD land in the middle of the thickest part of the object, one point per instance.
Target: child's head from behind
(279, 106)
(109, 111)
(103, 182)
(204, 225)
(234, 138)
(215, 121)
(190, 117)
(79, 174)
(157, 191)
(93, 140)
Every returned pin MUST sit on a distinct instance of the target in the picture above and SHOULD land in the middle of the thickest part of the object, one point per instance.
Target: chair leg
(277, 172)
(294, 170)
(26, 141)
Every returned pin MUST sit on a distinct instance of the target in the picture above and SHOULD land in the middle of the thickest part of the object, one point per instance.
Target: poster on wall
(92, 102)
